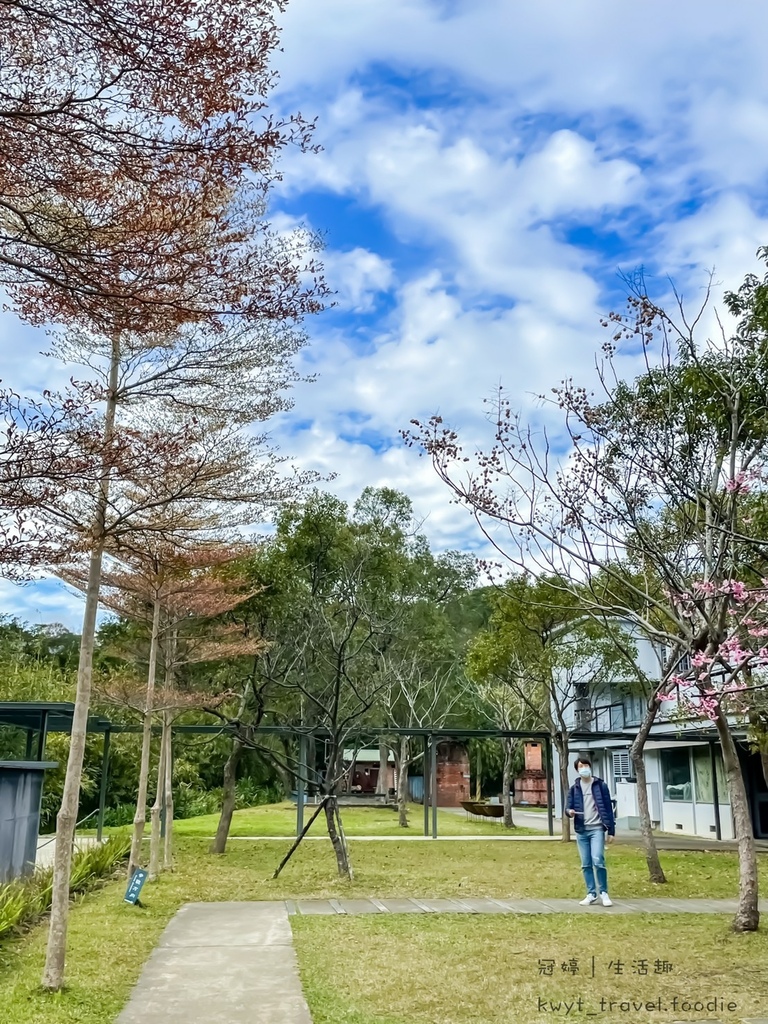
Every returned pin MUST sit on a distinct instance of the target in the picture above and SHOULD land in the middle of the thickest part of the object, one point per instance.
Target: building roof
(367, 756)
(57, 714)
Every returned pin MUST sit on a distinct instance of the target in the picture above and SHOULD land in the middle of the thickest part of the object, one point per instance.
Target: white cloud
(357, 276)
(485, 133)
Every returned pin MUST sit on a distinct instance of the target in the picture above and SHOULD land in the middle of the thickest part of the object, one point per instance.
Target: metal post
(28, 748)
(103, 786)
(715, 795)
(425, 779)
(300, 784)
(433, 786)
(43, 735)
(550, 821)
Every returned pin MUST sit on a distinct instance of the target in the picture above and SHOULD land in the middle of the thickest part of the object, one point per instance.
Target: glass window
(702, 776)
(676, 773)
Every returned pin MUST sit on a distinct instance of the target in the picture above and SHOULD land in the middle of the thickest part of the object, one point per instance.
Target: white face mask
(585, 773)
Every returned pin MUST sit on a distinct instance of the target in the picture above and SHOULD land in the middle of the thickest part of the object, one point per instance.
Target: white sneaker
(588, 900)
(606, 899)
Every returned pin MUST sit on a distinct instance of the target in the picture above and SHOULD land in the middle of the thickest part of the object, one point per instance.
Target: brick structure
(531, 784)
(452, 774)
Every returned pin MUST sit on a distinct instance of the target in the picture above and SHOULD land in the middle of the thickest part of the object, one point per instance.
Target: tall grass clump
(24, 901)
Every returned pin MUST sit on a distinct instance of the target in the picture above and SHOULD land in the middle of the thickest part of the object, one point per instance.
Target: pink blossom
(704, 587)
(739, 484)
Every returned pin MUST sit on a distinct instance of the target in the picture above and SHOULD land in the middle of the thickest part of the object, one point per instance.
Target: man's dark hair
(581, 759)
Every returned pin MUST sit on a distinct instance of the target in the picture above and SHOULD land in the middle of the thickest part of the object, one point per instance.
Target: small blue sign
(138, 878)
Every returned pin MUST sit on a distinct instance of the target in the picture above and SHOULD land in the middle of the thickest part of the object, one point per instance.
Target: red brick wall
(533, 757)
(452, 775)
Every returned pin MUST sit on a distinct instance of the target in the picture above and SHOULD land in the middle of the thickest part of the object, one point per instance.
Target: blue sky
(487, 168)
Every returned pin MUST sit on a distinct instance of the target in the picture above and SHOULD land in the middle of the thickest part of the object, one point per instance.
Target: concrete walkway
(664, 840)
(232, 963)
(486, 905)
(46, 845)
(399, 839)
(221, 963)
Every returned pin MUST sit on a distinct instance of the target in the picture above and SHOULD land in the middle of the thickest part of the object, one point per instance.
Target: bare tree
(498, 704)
(416, 697)
(130, 695)
(644, 504)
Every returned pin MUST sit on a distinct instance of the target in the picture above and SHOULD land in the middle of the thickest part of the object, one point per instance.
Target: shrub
(249, 793)
(122, 814)
(24, 901)
(191, 803)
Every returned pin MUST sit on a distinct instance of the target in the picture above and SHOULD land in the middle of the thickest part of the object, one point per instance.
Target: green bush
(190, 803)
(117, 817)
(24, 901)
(249, 793)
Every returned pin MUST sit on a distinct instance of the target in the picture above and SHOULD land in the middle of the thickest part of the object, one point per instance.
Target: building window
(684, 664)
(702, 777)
(634, 709)
(676, 773)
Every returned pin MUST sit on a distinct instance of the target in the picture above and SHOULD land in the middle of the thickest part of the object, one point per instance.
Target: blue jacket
(602, 796)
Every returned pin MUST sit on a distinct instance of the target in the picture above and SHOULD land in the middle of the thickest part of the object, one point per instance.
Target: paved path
(234, 963)
(46, 846)
(664, 840)
(486, 905)
(221, 963)
(406, 838)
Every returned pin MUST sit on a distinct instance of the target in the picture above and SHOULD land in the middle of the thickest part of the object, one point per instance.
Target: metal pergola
(37, 719)
(431, 738)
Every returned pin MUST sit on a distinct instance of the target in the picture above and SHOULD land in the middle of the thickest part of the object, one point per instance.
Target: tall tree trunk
(287, 779)
(402, 783)
(229, 787)
(747, 915)
(157, 806)
(140, 817)
(66, 819)
(339, 846)
(219, 844)
(382, 783)
(478, 771)
(506, 780)
(344, 845)
(168, 841)
(655, 870)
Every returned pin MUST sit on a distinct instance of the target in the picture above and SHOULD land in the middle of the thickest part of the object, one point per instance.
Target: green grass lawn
(109, 941)
(280, 820)
(457, 969)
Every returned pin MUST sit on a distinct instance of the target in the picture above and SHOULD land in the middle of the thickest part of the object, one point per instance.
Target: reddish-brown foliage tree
(175, 586)
(136, 150)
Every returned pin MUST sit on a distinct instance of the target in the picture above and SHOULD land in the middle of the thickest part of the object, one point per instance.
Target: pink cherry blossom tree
(638, 499)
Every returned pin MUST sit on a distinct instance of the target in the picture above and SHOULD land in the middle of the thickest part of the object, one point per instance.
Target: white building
(683, 762)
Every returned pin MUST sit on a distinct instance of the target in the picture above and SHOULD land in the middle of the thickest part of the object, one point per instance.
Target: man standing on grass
(589, 804)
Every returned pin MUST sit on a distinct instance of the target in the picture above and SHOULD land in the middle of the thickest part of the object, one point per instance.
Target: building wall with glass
(680, 785)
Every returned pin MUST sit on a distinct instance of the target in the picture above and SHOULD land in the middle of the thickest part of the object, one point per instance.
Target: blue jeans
(591, 846)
